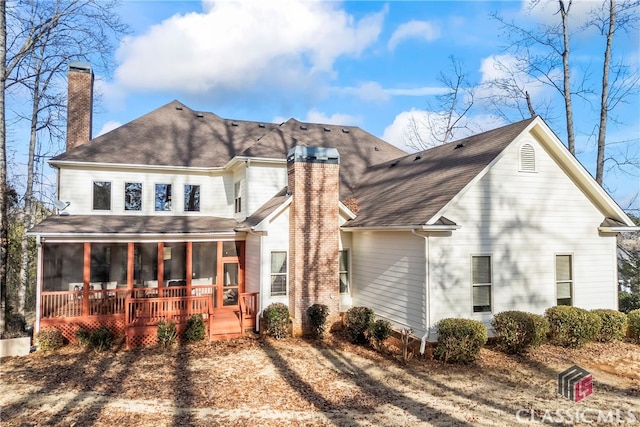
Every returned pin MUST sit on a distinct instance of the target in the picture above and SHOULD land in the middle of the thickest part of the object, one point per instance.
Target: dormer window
(527, 158)
(101, 195)
(163, 197)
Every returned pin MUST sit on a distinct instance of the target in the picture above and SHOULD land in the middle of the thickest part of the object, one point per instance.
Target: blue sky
(370, 64)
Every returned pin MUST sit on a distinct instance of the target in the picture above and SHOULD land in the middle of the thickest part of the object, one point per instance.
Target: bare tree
(45, 37)
(449, 114)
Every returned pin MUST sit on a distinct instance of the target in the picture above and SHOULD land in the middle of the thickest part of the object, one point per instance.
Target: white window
(527, 158)
(101, 195)
(278, 273)
(237, 194)
(343, 266)
(481, 278)
(564, 279)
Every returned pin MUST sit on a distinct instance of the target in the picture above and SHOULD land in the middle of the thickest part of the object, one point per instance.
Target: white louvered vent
(527, 158)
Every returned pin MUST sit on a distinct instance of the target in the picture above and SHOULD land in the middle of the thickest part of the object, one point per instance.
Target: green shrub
(317, 315)
(50, 339)
(517, 331)
(276, 320)
(101, 339)
(633, 325)
(84, 337)
(628, 302)
(613, 323)
(195, 330)
(459, 340)
(572, 326)
(167, 333)
(380, 330)
(358, 321)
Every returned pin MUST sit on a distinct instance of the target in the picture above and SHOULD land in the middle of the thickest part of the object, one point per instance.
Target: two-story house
(183, 212)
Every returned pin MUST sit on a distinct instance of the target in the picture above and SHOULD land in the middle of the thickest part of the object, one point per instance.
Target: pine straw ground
(257, 381)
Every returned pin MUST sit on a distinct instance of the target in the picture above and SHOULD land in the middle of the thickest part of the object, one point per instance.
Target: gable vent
(527, 158)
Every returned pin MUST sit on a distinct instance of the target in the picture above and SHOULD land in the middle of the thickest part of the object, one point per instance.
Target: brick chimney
(79, 104)
(313, 179)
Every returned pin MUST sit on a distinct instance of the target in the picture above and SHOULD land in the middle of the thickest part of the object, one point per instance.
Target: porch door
(231, 272)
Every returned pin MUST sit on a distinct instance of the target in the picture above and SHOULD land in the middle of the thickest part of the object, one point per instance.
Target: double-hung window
(132, 196)
(278, 273)
(564, 279)
(481, 278)
(163, 197)
(101, 195)
(343, 267)
(237, 193)
(191, 198)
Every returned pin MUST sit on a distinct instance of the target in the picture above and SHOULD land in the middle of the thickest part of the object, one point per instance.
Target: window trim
(285, 274)
(571, 277)
(93, 195)
(490, 285)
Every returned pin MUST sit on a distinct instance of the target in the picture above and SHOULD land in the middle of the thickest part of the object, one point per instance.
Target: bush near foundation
(613, 325)
(379, 331)
(459, 340)
(633, 325)
(50, 339)
(518, 331)
(167, 333)
(101, 339)
(572, 326)
(358, 321)
(276, 320)
(195, 329)
(318, 314)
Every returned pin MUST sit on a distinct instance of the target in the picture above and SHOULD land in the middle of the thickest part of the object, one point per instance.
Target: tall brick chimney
(313, 179)
(79, 104)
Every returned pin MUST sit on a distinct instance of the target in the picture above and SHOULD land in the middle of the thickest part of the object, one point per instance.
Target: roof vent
(260, 125)
(345, 130)
(376, 148)
(303, 127)
(460, 145)
(394, 163)
(418, 157)
(327, 129)
(199, 115)
(178, 107)
(234, 123)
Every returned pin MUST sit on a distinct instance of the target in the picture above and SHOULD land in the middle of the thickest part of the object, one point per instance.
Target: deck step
(225, 322)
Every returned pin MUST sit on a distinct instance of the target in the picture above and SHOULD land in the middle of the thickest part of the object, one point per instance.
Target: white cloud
(505, 69)
(108, 127)
(373, 91)
(240, 45)
(414, 30)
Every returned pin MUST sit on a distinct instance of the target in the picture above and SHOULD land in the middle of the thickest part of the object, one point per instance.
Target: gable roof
(176, 136)
(411, 190)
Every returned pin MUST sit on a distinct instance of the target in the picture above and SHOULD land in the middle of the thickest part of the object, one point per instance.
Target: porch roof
(132, 225)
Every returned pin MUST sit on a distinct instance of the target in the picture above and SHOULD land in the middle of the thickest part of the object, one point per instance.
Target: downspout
(425, 337)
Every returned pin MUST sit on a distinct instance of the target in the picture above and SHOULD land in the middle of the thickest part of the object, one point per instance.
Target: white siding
(522, 220)
(276, 240)
(252, 263)
(264, 181)
(389, 276)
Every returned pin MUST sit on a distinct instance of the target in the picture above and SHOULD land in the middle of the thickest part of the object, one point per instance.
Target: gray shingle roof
(410, 190)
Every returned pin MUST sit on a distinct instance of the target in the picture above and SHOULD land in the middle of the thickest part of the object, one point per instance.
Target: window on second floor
(101, 195)
(237, 188)
(191, 198)
(163, 197)
(132, 196)
(481, 277)
(278, 273)
(343, 266)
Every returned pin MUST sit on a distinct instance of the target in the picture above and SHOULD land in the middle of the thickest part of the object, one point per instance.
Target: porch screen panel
(175, 264)
(108, 265)
(204, 263)
(62, 266)
(145, 265)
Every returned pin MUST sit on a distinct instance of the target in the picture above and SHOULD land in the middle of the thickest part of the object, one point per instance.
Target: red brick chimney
(79, 104)
(313, 179)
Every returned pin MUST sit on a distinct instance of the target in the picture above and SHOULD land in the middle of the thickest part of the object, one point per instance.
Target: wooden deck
(137, 313)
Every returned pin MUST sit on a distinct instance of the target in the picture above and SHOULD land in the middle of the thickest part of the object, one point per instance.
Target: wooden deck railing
(150, 311)
(248, 309)
(72, 304)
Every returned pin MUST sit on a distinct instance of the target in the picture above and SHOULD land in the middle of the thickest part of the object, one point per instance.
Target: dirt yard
(256, 381)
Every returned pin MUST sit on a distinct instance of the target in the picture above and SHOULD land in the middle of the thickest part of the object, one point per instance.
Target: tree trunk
(566, 70)
(604, 100)
(4, 220)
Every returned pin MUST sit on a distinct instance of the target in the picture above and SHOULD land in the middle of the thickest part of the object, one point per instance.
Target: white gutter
(423, 340)
(404, 228)
(621, 229)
